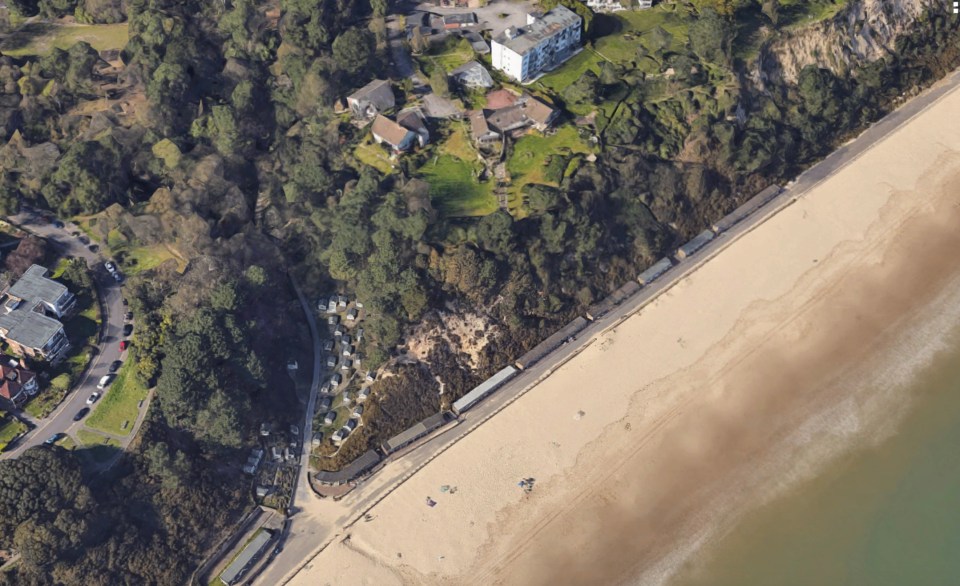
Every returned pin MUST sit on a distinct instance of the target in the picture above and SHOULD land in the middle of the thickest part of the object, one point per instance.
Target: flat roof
(528, 37)
(415, 432)
(29, 328)
(249, 552)
(350, 471)
(483, 389)
(35, 286)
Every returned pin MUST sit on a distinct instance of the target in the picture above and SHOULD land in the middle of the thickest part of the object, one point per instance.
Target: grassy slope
(531, 153)
(40, 38)
(119, 404)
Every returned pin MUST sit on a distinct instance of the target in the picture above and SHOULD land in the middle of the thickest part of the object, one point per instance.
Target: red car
(123, 345)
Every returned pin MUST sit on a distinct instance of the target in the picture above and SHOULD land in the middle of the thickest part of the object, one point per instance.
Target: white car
(104, 381)
(93, 398)
(111, 268)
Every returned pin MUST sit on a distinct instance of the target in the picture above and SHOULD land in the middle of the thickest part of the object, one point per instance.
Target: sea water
(888, 514)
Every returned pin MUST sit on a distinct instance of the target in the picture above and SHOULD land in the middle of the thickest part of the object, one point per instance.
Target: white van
(104, 381)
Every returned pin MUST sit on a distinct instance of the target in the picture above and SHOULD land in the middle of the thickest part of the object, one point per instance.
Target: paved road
(322, 521)
(61, 420)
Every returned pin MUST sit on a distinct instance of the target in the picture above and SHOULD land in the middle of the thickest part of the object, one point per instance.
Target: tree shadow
(25, 35)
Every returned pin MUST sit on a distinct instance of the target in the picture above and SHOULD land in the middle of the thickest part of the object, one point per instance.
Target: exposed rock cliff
(864, 31)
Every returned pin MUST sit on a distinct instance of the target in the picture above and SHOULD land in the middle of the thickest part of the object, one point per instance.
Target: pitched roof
(377, 92)
(412, 119)
(478, 124)
(13, 379)
(537, 110)
(500, 99)
(388, 130)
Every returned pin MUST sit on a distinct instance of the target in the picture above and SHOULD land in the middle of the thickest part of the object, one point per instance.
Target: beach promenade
(550, 449)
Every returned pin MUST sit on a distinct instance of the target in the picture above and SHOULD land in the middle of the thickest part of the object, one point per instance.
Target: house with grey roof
(546, 41)
(28, 315)
(472, 75)
(374, 98)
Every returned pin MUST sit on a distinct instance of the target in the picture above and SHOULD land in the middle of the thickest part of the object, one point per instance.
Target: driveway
(61, 420)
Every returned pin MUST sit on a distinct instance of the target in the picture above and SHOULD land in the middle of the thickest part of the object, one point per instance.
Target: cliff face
(864, 31)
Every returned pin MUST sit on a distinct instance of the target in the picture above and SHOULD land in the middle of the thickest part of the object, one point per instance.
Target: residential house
(454, 21)
(358, 411)
(363, 394)
(481, 131)
(24, 323)
(347, 364)
(372, 99)
(413, 120)
(352, 314)
(17, 384)
(526, 112)
(472, 75)
(547, 40)
(386, 131)
(330, 417)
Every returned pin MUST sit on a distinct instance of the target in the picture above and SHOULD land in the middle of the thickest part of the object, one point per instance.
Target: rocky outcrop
(862, 32)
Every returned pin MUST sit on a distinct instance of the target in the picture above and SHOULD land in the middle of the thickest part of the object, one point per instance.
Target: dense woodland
(235, 157)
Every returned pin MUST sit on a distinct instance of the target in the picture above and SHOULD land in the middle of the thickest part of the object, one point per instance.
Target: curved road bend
(61, 420)
(326, 518)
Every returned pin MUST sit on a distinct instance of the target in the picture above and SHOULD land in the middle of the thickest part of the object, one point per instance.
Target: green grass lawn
(556, 81)
(38, 38)
(97, 447)
(455, 189)
(371, 154)
(10, 427)
(90, 439)
(449, 55)
(119, 404)
(532, 154)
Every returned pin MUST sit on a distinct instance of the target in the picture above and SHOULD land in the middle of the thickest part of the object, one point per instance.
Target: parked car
(129, 316)
(118, 277)
(115, 366)
(124, 301)
(58, 224)
(93, 398)
(111, 268)
(93, 248)
(81, 414)
(127, 329)
(104, 381)
(123, 345)
(83, 239)
(53, 439)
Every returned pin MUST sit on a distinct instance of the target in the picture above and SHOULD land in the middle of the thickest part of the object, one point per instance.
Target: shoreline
(704, 329)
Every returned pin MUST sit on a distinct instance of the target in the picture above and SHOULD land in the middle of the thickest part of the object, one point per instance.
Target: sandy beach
(772, 357)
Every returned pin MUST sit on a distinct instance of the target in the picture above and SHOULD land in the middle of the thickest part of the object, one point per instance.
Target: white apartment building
(544, 43)
(616, 5)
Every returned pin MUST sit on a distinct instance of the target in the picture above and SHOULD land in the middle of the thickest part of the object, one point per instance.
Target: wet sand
(743, 378)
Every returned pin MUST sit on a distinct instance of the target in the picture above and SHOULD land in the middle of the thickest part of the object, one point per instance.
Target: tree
(585, 90)
(439, 81)
(495, 232)
(354, 51)
(24, 7)
(711, 37)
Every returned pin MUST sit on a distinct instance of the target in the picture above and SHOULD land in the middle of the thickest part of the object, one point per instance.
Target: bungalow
(472, 74)
(331, 361)
(352, 315)
(17, 384)
(330, 417)
(481, 130)
(454, 21)
(386, 131)
(526, 112)
(324, 403)
(372, 99)
(363, 394)
(347, 364)
(358, 411)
